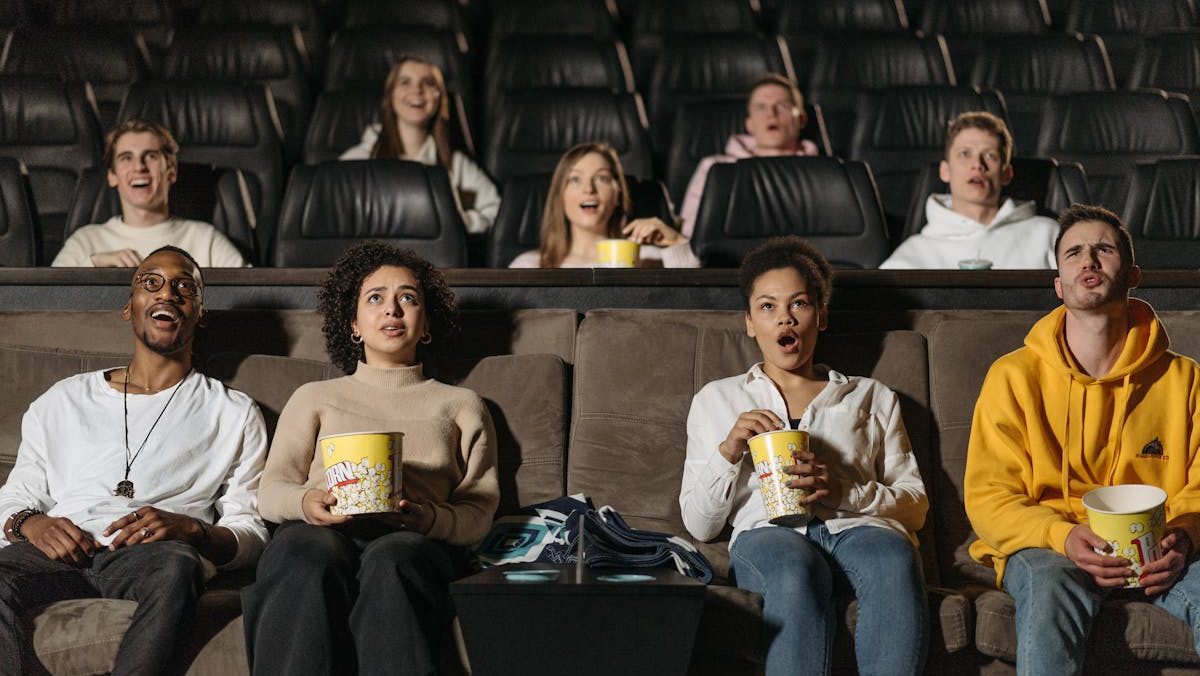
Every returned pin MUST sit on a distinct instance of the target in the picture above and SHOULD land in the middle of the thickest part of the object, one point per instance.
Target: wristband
(14, 532)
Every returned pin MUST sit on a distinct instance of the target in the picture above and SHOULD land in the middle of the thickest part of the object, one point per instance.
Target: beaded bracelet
(19, 520)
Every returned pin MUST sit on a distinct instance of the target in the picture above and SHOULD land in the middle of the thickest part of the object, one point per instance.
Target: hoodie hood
(742, 146)
(943, 222)
(1145, 343)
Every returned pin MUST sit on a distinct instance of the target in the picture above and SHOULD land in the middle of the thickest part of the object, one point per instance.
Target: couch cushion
(268, 379)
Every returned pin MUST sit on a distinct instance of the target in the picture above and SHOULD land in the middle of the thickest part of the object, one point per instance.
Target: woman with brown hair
(414, 115)
(589, 202)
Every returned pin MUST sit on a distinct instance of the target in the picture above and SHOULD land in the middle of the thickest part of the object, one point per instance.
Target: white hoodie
(1017, 238)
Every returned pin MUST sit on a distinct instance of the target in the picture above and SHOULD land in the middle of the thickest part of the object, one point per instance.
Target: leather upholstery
(152, 20)
(1052, 185)
(552, 17)
(51, 127)
(201, 192)
(303, 14)
(439, 14)
(963, 24)
(532, 129)
(262, 54)
(518, 224)
(1169, 61)
(1122, 23)
(529, 61)
(702, 128)
(339, 118)
(1030, 69)
(1107, 132)
(18, 226)
(328, 207)
(653, 22)
(803, 23)
(1162, 213)
(830, 202)
(223, 124)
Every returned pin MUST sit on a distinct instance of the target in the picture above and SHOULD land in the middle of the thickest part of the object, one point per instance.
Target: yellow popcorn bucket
(363, 470)
(772, 451)
(617, 253)
(1131, 518)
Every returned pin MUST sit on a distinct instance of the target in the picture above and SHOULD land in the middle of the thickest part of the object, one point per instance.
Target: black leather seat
(304, 15)
(51, 128)
(1162, 213)
(583, 18)
(702, 128)
(339, 118)
(439, 14)
(965, 24)
(108, 62)
(900, 129)
(153, 20)
(1053, 186)
(803, 23)
(331, 206)
(654, 22)
(1107, 132)
(698, 66)
(534, 127)
(201, 192)
(531, 61)
(828, 201)
(223, 124)
(1028, 70)
(1166, 61)
(518, 223)
(18, 226)
(256, 53)
(847, 64)
(1122, 24)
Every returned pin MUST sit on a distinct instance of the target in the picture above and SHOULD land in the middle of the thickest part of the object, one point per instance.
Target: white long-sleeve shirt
(206, 244)
(1017, 239)
(854, 426)
(203, 459)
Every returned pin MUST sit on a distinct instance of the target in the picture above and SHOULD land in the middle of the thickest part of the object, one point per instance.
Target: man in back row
(143, 161)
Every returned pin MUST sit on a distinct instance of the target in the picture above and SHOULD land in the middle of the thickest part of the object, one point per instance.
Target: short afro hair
(787, 252)
(338, 300)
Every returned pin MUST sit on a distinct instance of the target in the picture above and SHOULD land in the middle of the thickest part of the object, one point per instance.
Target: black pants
(327, 602)
(165, 578)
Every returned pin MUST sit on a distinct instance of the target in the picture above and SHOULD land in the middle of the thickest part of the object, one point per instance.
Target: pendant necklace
(125, 486)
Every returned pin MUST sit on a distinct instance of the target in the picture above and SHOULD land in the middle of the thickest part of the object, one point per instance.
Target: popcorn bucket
(1131, 518)
(363, 470)
(772, 451)
(617, 253)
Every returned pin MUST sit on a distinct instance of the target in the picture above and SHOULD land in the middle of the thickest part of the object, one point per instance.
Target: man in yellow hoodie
(1094, 398)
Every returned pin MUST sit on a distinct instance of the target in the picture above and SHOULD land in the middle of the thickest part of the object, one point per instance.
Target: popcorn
(362, 470)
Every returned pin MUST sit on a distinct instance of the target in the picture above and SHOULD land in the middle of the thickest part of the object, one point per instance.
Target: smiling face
(591, 194)
(417, 93)
(165, 319)
(784, 320)
(975, 169)
(1091, 273)
(390, 317)
(141, 172)
(773, 120)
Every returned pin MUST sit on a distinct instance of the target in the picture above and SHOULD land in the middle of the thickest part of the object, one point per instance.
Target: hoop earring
(356, 339)
(426, 339)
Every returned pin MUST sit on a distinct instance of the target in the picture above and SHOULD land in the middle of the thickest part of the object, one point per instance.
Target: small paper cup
(772, 451)
(1131, 518)
(363, 470)
(617, 253)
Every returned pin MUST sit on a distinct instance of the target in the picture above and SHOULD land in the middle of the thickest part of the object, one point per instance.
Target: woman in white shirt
(589, 202)
(414, 116)
(864, 494)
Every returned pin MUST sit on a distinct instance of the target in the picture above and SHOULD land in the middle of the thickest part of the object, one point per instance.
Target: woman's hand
(316, 503)
(408, 515)
(747, 425)
(814, 478)
(652, 231)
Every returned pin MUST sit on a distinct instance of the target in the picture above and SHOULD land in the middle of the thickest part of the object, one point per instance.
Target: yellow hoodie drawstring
(1065, 472)
(1120, 413)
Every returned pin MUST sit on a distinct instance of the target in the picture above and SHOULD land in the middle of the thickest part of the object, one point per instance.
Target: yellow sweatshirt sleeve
(1183, 508)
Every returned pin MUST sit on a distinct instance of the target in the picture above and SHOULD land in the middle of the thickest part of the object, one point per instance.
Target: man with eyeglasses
(133, 482)
(142, 160)
(774, 118)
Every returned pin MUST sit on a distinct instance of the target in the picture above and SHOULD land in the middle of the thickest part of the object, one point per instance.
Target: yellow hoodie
(1043, 429)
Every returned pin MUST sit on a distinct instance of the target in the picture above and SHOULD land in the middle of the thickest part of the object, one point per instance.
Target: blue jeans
(1056, 602)
(796, 574)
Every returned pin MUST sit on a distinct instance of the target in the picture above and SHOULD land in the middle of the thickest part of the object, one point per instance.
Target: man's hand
(121, 258)
(1106, 571)
(59, 539)
(747, 425)
(316, 503)
(813, 476)
(1158, 575)
(149, 524)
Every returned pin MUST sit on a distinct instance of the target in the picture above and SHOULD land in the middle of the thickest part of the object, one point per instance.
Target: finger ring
(145, 533)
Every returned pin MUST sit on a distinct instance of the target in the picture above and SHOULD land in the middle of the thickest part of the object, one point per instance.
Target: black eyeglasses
(152, 281)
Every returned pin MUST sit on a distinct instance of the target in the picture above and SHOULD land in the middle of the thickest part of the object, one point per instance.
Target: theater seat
(533, 128)
(657, 21)
(518, 223)
(966, 24)
(532, 61)
(439, 14)
(1162, 213)
(804, 22)
(1107, 132)
(331, 206)
(1053, 186)
(304, 15)
(18, 225)
(702, 128)
(153, 20)
(828, 201)
(582, 18)
(340, 116)
(201, 192)
(51, 128)
(1170, 61)
(1028, 70)
(1123, 24)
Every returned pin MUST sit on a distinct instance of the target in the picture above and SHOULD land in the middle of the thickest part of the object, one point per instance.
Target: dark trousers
(327, 602)
(165, 578)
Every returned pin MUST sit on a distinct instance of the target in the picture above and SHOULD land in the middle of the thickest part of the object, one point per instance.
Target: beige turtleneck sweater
(448, 448)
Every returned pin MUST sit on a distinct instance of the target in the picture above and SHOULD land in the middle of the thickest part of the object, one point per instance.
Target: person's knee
(176, 562)
(402, 550)
(300, 549)
(785, 560)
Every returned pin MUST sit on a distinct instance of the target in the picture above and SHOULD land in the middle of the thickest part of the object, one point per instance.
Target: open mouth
(787, 341)
(416, 103)
(392, 329)
(165, 313)
(140, 183)
(589, 206)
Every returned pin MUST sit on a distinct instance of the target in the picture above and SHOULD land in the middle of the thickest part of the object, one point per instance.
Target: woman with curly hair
(414, 114)
(369, 594)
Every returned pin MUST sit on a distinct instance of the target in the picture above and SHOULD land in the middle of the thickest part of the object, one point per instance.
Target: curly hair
(787, 252)
(338, 300)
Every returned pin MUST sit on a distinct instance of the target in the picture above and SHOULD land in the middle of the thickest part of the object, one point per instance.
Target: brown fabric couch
(598, 405)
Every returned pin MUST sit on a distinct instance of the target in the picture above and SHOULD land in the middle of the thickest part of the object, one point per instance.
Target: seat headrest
(529, 61)
(715, 64)
(1171, 211)
(36, 110)
(916, 117)
(274, 12)
(790, 195)
(693, 16)
(553, 120)
(1058, 64)
(232, 51)
(880, 60)
(206, 113)
(1127, 122)
(362, 57)
(863, 15)
(990, 17)
(1129, 16)
(139, 12)
(1170, 61)
(552, 17)
(431, 14)
(78, 55)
